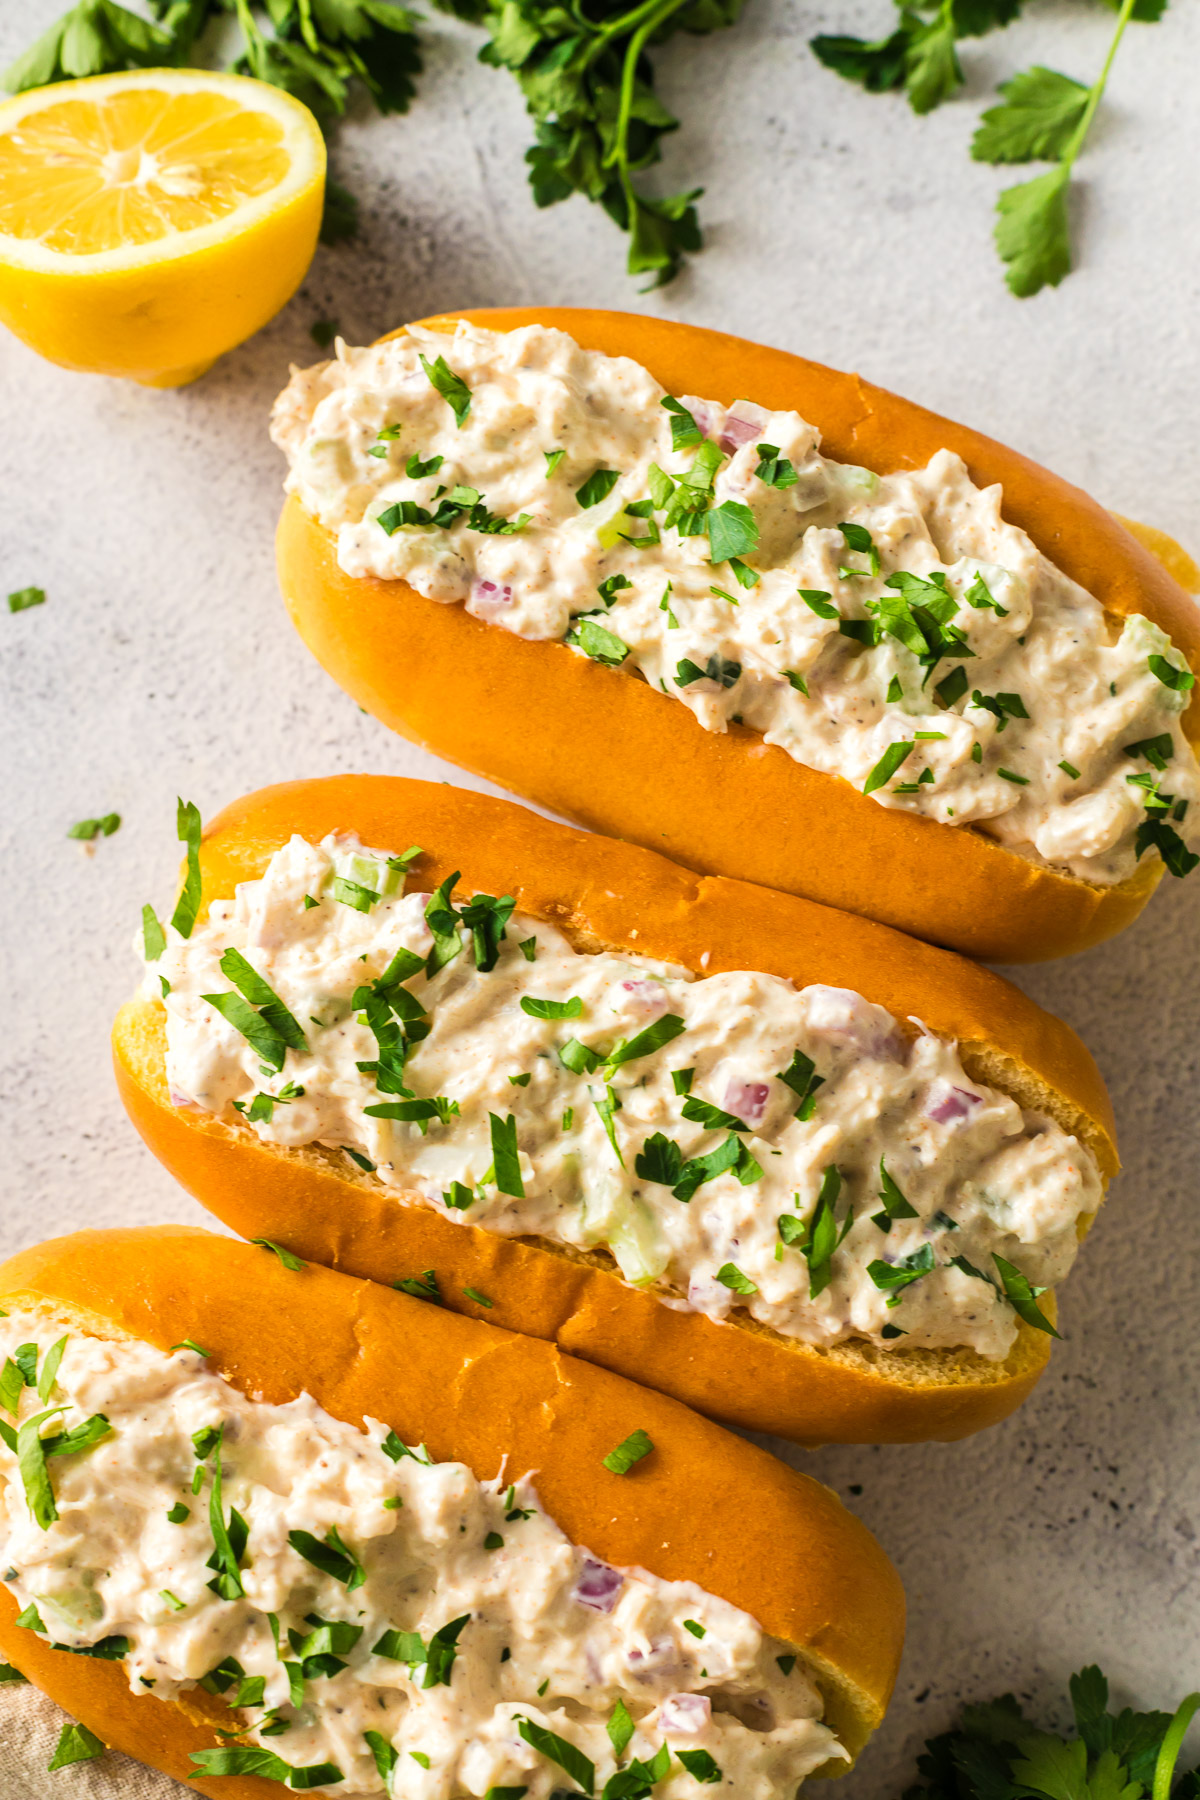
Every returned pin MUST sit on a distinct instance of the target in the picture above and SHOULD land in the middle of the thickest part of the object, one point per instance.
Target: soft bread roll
(621, 758)
(807, 1570)
(607, 895)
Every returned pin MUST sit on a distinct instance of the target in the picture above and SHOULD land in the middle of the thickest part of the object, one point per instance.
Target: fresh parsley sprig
(995, 1753)
(588, 82)
(1045, 116)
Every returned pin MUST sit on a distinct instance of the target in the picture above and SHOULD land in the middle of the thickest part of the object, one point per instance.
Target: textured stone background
(839, 226)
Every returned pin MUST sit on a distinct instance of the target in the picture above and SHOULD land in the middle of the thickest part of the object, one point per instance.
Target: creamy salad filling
(381, 1623)
(892, 630)
(733, 1142)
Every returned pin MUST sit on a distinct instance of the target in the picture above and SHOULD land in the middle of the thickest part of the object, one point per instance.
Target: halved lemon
(150, 221)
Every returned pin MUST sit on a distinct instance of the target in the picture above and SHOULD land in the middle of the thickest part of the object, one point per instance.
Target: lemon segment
(151, 221)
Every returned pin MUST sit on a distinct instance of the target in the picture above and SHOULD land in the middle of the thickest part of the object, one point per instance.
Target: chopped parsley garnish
(732, 531)
(553, 458)
(579, 1767)
(76, 1744)
(528, 949)
(681, 1080)
(416, 470)
(24, 598)
(552, 1009)
(520, 1081)
(579, 1058)
(1017, 780)
(611, 586)
(608, 1106)
(694, 1626)
(801, 1076)
(797, 681)
(743, 574)
(420, 1287)
(723, 671)
(451, 387)
(188, 829)
(286, 1257)
(952, 688)
(1156, 750)
(980, 596)
(263, 1105)
(442, 917)
(685, 433)
(179, 1513)
(620, 1726)
(820, 602)
(893, 1278)
(823, 1235)
(443, 1648)
(87, 829)
(859, 539)
(1069, 769)
(598, 642)
(237, 1759)
(11, 1677)
(598, 486)
(895, 1206)
(386, 1755)
(1001, 706)
(359, 1160)
(229, 1541)
(1022, 1296)
(886, 767)
(720, 593)
(478, 1298)
(660, 1159)
(631, 1450)
(775, 470)
(730, 1276)
(45, 1381)
(730, 1157)
(506, 1164)
(401, 1646)
(154, 938)
(354, 893)
(33, 1452)
(646, 1041)
(1179, 680)
(331, 1556)
(700, 1765)
(493, 1541)
(713, 1118)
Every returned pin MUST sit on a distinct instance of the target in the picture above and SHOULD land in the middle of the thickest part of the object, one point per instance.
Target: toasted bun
(603, 747)
(705, 1506)
(615, 896)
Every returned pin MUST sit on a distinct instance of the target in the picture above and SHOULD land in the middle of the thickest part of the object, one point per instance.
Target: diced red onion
(951, 1103)
(661, 1657)
(735, 432)
(598, 1586)
(648, 997)
(845, 1018)
(184, 1100)
(701, 412)
(488, 598)
(747, 1099)
(683, 1715)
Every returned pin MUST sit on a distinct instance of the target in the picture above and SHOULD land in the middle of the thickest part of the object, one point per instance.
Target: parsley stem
(1097, 93)
(1172, 1743)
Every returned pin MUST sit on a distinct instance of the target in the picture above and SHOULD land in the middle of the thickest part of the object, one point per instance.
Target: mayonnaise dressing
(313, 1656)
(1032, 723)
(717, 1159)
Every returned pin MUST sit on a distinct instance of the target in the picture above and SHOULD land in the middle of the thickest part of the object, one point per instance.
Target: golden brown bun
(705, 1506)
(616, 896)
(603, 747)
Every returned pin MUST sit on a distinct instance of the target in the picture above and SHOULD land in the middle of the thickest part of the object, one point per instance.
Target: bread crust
(593, 743)
(618, 896)
(808, 1571)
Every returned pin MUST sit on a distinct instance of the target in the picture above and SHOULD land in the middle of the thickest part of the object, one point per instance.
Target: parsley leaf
(451, 387)
(1042, 109)
(629, 1451)
(188, 830)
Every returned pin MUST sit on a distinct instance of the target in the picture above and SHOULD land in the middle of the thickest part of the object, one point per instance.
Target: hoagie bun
(605, 748)
(608, 898)
(505, 1406)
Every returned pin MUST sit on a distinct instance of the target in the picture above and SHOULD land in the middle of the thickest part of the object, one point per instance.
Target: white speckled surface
(838, 226)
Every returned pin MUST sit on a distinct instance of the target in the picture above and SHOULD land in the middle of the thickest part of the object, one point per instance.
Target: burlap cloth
(30, 1725)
